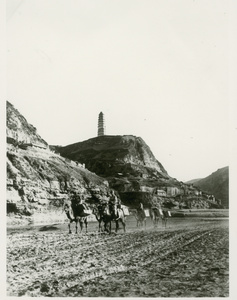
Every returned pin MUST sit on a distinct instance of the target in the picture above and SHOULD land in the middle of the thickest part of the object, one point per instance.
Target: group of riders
(105, 211)
(111, 206)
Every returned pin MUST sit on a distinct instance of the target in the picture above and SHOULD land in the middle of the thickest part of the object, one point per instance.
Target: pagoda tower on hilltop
(101, 129)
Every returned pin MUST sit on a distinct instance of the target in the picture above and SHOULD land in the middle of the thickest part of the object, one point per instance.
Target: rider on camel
(71, 207)
(77, 203)
(140, 210)
(75, 199)
(114, 204)
(155, 201)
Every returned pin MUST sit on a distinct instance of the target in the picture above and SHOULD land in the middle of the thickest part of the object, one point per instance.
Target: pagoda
(101, 130)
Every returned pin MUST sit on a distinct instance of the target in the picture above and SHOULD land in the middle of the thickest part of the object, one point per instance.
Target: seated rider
(140, 207)
(114, 204)
(84, 204)
(100, 206)
(75, 199)
(119, 204)
(76, 203)
(140, 210)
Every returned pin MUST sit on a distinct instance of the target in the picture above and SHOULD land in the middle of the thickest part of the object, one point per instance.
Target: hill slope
(107, 155)
(39, 180)
(131, 168)
(217, 184)
(125, 161)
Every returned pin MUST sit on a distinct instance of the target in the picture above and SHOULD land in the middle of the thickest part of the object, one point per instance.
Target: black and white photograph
(118, 148)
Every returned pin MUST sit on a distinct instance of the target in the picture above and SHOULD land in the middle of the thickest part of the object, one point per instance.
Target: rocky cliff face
(19, 131)
(39, 180)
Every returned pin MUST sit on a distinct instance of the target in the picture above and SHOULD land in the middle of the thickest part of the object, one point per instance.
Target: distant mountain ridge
(192, 181)
(217, 184)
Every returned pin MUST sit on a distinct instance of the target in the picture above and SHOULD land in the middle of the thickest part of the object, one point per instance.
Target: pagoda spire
(101, 130)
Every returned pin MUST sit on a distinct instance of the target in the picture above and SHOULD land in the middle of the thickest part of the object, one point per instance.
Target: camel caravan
(107, 212)
(157, 214)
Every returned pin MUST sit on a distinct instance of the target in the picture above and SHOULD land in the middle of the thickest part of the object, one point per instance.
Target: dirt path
(188, 259)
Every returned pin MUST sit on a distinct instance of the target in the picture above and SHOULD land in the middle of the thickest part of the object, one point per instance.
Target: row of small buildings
(178, 192)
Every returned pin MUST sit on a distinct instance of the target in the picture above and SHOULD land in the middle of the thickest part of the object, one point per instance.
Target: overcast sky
(156, 69)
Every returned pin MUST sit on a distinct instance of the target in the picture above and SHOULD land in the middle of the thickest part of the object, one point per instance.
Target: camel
(98, 211)
(120, 216)
(155, 215)
(103, 214)
(158, 213)
(140, 217)
(164, 218)
(76, 214)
